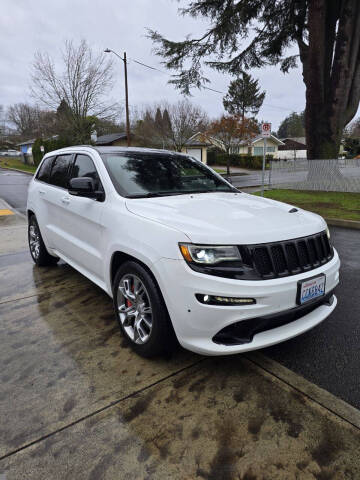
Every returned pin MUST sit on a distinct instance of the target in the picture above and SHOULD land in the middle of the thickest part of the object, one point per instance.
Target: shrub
(49, 145)
(236, 160)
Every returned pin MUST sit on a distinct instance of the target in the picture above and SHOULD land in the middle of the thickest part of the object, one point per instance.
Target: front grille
(290, 257)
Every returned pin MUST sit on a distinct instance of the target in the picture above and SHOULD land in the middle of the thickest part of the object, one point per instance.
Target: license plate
(311, 288)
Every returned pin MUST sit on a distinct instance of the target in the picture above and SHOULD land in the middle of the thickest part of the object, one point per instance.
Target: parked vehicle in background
(183, 253)
(10, 153)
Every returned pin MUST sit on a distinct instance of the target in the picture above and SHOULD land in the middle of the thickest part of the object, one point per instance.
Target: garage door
(195, 152)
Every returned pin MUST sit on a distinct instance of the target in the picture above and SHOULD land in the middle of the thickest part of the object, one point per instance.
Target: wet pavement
(328, 355)
(77, 403)
(13, 188)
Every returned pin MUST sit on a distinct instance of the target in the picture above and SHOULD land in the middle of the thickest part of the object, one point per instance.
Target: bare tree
(170, 125)
(24, 117)
(186, 120)
(82, 84)
(31, 121)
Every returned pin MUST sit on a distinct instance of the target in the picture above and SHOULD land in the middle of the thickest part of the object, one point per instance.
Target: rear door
(38, 196)
(55, 199)
(80, 221)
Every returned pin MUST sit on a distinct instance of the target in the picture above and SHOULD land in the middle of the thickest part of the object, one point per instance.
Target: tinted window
(152, 174)
(84, 167)
(59, 171)
(44, 172)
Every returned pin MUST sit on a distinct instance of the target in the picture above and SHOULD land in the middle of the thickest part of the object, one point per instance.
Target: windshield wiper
(153, 194)
(179, 192)
(209, 191)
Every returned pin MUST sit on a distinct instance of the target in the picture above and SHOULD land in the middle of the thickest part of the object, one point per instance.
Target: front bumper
(196, 324)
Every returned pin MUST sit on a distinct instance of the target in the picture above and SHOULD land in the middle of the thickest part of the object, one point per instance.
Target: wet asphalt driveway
(76, 403)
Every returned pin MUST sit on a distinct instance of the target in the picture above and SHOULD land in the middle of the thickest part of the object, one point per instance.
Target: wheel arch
(118, 258)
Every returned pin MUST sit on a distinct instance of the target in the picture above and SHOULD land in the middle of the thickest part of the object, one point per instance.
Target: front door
(82, 223)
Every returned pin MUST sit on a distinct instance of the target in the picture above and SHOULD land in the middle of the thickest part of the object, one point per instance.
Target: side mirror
(85, 187)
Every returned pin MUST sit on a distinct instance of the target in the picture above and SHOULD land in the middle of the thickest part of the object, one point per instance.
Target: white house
(197, 146)
(292, 148)
(255, 146)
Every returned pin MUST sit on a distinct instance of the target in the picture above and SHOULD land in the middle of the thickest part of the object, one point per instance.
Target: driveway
(77, 403)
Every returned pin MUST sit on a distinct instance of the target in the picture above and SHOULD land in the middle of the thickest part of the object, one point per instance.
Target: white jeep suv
(182, 253)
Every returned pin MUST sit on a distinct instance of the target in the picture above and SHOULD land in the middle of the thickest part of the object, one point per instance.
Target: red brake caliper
(128, 303)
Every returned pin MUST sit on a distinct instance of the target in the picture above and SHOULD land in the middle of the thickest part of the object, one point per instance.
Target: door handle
(41, 192)
(65, 200)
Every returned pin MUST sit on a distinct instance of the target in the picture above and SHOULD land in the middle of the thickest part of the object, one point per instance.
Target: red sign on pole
(265, 129)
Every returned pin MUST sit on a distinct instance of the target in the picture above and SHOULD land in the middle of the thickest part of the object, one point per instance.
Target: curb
(13, 210)
(17, 170)
(315, 393)
(339, 222)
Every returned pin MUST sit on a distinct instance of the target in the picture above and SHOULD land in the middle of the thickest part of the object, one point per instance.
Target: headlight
(328, 232)
(206, 254)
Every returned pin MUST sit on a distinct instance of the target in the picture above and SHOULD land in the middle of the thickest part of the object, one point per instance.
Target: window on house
(258, 151)
(270, 149)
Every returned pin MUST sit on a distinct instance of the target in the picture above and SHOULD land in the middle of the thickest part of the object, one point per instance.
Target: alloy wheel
(34, 239)
(134, 308)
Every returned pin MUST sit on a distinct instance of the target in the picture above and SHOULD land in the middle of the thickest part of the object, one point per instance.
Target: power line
(204, 87)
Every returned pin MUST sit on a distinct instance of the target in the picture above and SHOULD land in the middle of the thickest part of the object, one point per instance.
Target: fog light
(217, 300)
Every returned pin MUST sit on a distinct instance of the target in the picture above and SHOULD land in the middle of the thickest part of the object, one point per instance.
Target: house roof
(198, 140)
(301, 140)
(111, 137)
(28, 142)
(291, 144)
(273, 138)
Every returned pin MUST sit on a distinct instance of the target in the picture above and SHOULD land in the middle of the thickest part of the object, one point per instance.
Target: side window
(84, 167)
(45, 169)
(60, 170)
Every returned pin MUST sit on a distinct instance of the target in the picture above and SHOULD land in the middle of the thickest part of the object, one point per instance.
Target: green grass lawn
(10, 162)
(327, 204)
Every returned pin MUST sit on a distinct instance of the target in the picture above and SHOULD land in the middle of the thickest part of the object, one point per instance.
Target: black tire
(40, 255)
(161, 339)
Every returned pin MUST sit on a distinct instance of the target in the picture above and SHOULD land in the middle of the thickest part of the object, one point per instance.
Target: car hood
(228, 218)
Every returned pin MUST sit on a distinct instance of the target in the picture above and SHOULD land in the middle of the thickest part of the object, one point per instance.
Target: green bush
(236, 160)
(49, 145)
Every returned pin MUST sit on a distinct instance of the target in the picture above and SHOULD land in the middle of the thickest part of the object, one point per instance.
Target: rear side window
(60, 171)
(84, 167)
(45, 169)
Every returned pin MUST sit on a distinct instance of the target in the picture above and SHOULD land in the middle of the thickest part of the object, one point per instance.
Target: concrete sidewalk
(76, 403)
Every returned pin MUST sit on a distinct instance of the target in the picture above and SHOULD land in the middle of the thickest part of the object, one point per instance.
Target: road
(326, 355)
(13, 188)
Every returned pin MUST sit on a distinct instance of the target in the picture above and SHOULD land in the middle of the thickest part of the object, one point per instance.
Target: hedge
(49, 145)
(236, 160)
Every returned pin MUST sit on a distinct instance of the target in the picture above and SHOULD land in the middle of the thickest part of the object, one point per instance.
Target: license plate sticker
(311, 288)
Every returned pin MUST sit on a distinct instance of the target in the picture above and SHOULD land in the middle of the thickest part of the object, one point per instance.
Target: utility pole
(127, 103)
(108, 50)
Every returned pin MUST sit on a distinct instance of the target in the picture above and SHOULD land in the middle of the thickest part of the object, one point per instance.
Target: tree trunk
(331, 74)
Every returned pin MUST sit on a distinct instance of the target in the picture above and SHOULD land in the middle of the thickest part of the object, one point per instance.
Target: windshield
(160, 174)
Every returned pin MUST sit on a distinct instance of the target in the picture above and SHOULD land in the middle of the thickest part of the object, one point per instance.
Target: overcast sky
(27, 26)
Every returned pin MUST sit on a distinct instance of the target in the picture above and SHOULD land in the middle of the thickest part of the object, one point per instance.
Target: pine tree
(244, 96)
(292, 126)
